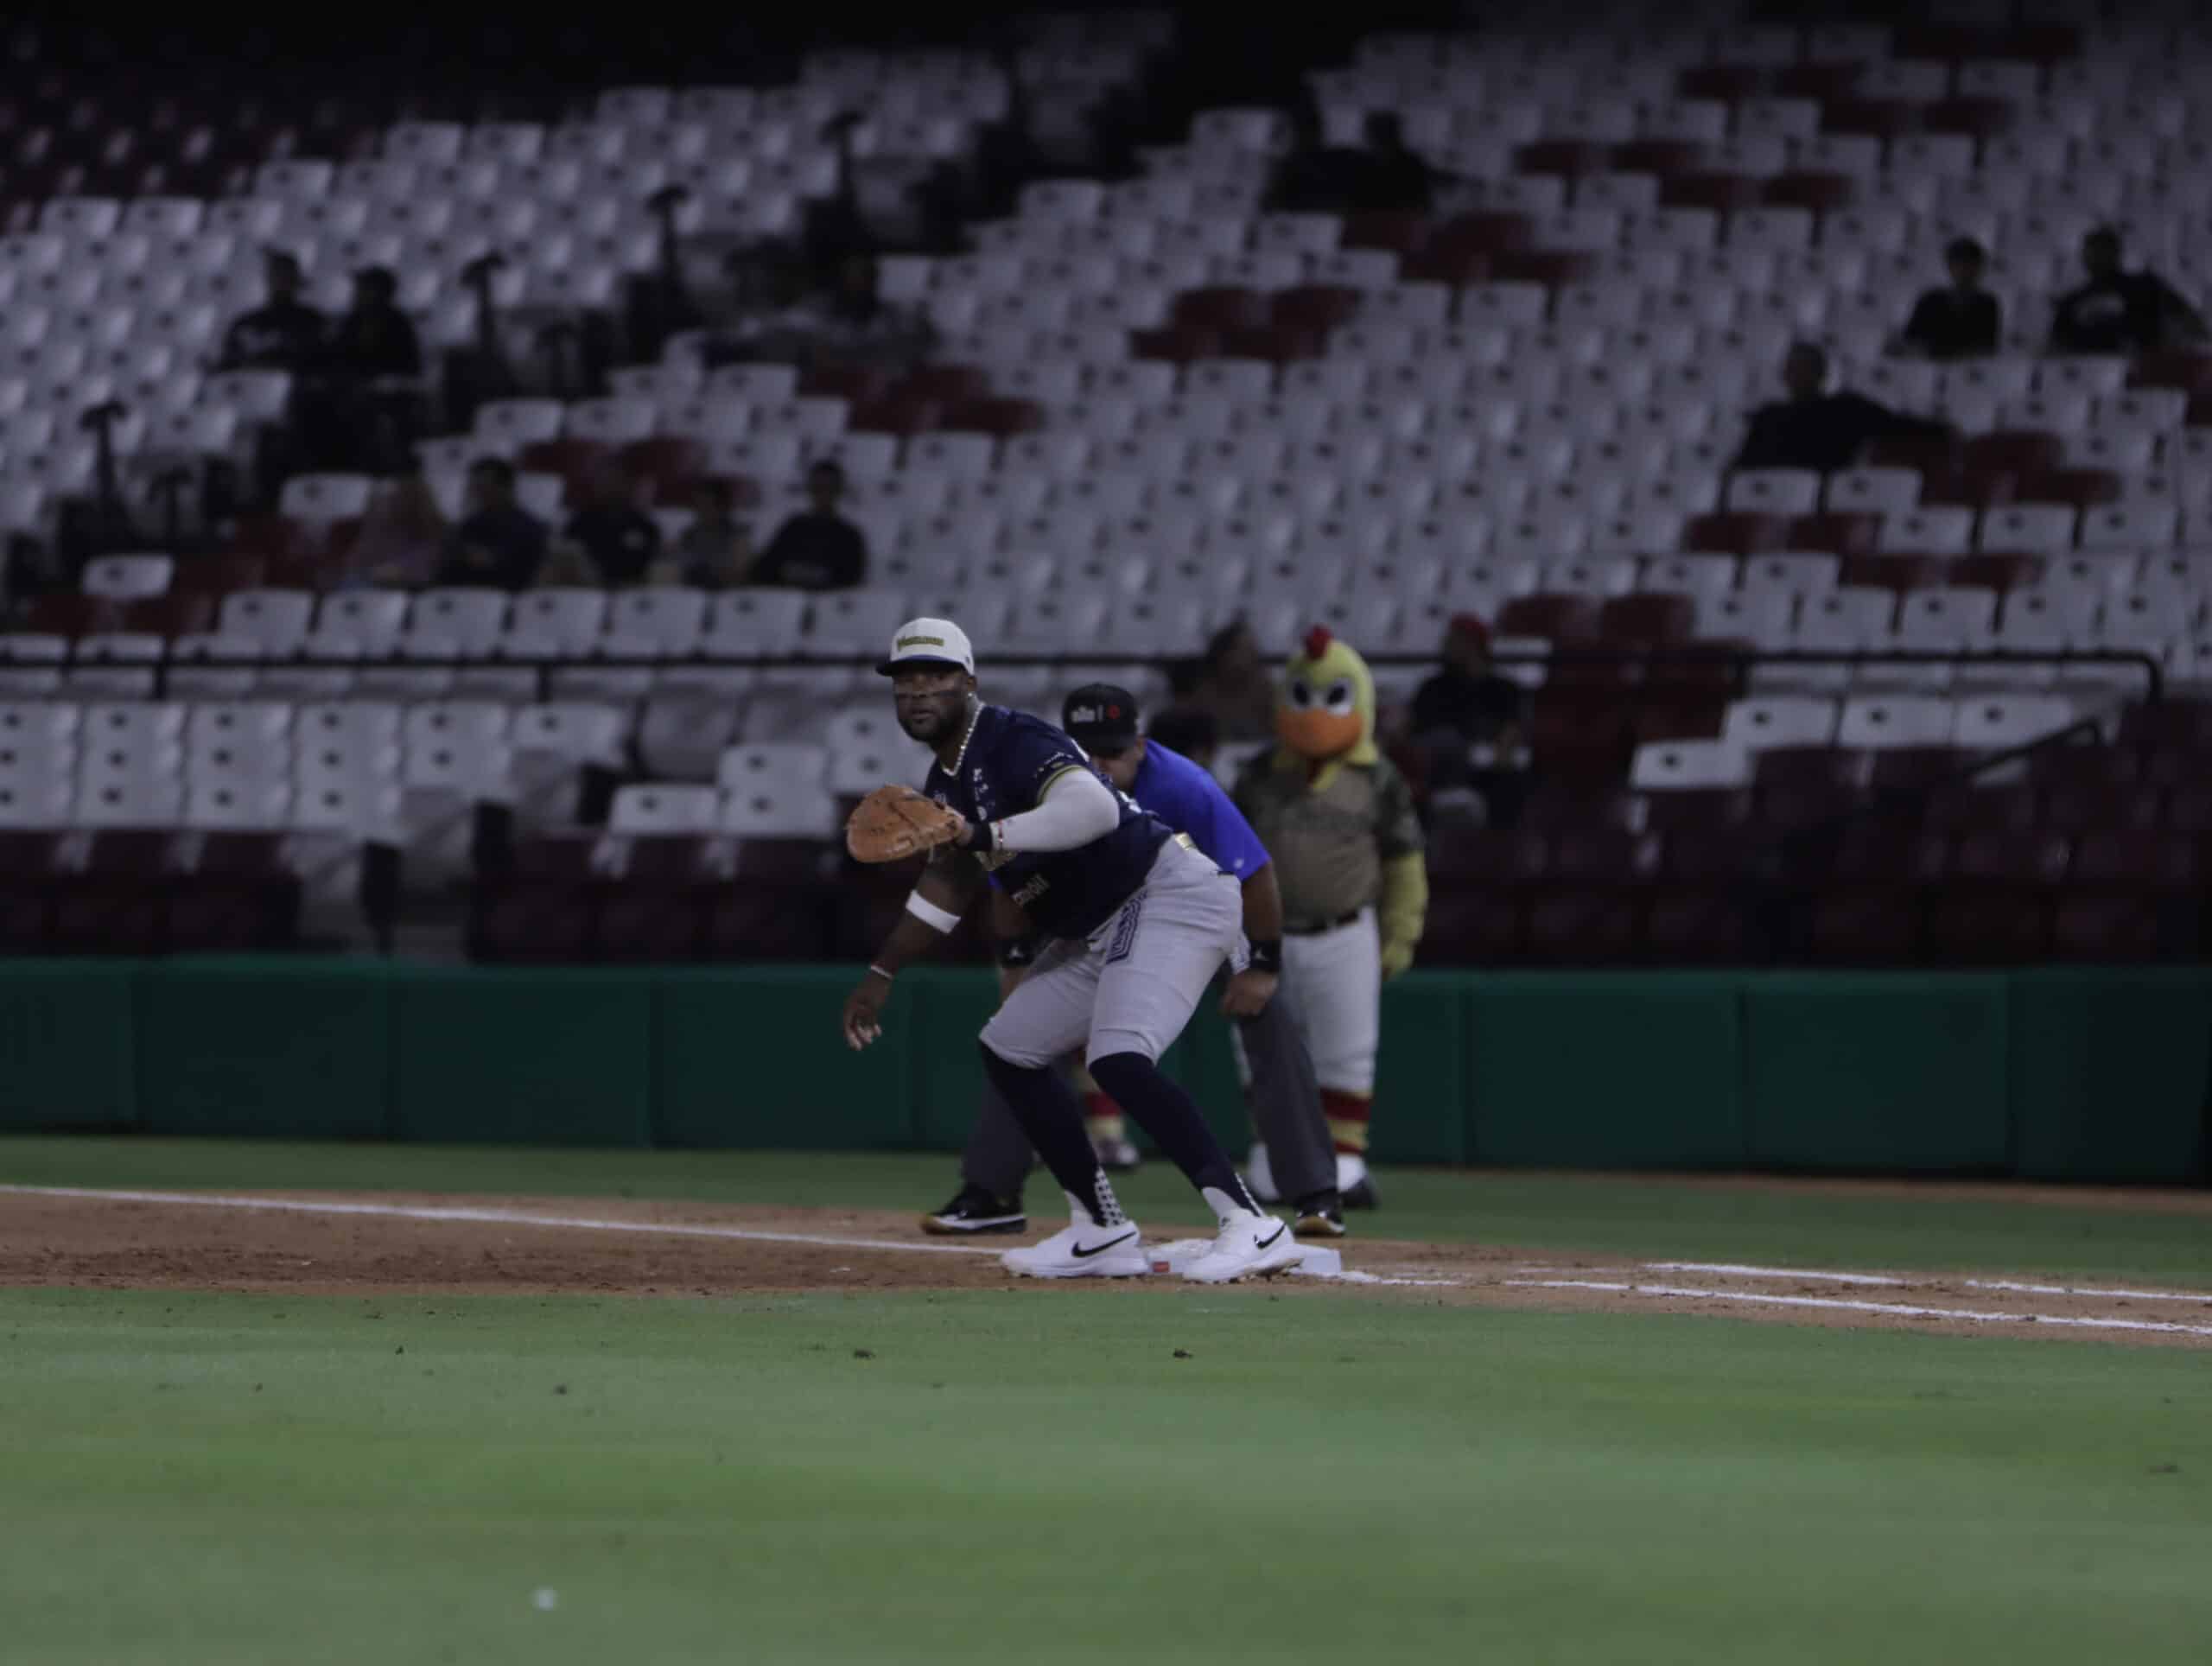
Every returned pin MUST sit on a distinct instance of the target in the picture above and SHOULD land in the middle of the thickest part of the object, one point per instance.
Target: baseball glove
(895, 822)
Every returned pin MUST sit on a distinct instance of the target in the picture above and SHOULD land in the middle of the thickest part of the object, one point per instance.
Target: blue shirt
(1191, 801)
(1011, 758)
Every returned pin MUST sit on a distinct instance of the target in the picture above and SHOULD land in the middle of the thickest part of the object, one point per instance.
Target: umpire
(1285, 1099)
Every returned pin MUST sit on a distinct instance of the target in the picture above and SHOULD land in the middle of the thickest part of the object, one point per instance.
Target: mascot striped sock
(1348, 1115)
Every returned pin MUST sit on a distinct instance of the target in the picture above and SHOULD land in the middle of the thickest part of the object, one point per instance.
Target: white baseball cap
(929, 642)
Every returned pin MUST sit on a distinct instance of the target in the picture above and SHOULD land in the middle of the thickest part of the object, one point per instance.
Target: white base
(1314, 1260)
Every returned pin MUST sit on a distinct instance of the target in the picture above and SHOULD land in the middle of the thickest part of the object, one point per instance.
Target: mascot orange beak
(1318, 734)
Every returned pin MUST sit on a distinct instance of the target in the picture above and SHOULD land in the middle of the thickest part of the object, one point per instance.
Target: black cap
(1101, 718)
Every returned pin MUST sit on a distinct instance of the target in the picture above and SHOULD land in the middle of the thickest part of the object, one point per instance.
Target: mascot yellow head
(1326, 711)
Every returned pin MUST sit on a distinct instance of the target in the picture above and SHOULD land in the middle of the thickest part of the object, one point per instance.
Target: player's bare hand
(1248, 993)
(864, 1011)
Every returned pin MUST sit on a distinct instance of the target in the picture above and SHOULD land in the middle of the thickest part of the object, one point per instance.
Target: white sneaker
(1260, 1175)
(1249, 1245)
(1082, 1249)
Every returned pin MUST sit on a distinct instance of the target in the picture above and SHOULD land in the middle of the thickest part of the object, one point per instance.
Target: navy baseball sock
(1051, 1117)
(1166, 1113)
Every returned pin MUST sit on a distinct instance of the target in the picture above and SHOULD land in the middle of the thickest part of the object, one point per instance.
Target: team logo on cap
(920, 642)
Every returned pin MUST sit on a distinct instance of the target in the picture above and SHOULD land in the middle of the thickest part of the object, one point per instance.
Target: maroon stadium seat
(1711, 815)
(1564, 806)
(1821, 193)
(1968, 808)
(544, 908)
(1842, 532)
(1659, 157)
(1741, 532)
(1481, 234)
(1724, 193)
(1221, 307)
(1723, 83)
(1572, 157)
(1977, 118)
(651, 914)
(1883, 119)
(1648, 616)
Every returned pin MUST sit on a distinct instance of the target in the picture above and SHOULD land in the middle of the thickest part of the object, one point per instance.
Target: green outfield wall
(2088, 1075)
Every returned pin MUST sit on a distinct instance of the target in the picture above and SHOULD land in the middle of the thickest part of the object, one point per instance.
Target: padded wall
(2091, 1075)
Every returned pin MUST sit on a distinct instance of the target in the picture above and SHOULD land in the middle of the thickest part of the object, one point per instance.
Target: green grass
(1647, 1216)
(1031, 1472)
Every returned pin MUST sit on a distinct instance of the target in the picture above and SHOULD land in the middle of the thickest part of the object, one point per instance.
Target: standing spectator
(2121, 312)
(714, 552)
(1233, 687)
(375, 362)
(283, 333)
(1471, 724)
(375, 337)
(1822, 431)
(498, 543)
(402, 539)
(621, 541)
(1960, 320)
(1194, 734)
(817, 548)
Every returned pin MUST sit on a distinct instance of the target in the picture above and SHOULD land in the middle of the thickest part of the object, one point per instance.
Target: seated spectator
(2117, 311)
(1959, 320)
(402, 538)
(817, 548)
(498, 544)
(1313, 177)
(714, 552)
(1233, 686)
(852, 324)
(283, 333)
(1823, 431)
(375, 337)
(1395, 178)
(1471, 724)
(621, 539)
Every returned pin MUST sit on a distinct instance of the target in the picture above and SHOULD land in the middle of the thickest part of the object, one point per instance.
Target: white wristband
(930, 914)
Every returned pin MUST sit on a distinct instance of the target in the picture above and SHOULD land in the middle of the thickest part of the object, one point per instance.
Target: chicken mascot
(1338, 820)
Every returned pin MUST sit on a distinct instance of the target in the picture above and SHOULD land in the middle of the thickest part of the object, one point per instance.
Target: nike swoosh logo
(1272, 1237)
(1082, 1253)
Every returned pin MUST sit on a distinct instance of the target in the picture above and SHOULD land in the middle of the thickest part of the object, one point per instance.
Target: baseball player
(1141, 921)
(1102, 720)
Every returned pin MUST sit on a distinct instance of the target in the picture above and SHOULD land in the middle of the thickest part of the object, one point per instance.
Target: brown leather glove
(895, 822)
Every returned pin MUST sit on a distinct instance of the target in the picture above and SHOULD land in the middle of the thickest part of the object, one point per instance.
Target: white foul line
(496, 1217)
(2085, 1290)
(576, 1223)
(1735, 1270)
(1899, 1309)
(1731, 1268)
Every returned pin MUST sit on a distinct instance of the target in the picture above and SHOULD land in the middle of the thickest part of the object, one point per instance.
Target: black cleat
(973, 1210)
(1361, 1195)
(1320, 1215)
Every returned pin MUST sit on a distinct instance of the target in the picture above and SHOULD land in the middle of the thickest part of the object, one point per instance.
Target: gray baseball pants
(1285, 1100)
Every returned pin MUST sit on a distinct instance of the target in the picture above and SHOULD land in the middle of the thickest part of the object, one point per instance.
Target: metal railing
(1741, 659)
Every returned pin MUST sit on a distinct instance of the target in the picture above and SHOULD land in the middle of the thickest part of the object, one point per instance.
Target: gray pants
(1285, 1100)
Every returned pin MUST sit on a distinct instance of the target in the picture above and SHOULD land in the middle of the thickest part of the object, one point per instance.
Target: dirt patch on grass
(399, 1243)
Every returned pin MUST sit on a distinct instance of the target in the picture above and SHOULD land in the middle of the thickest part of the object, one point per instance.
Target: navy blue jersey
(1011, 758)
